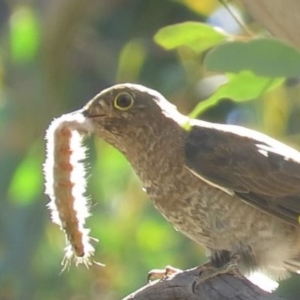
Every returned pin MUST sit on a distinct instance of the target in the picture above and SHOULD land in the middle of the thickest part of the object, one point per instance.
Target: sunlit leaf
(202, 7)
(131, 60)
(264, 57)
(26, 183)
(195, 35)
(239, 87)
(24, 34)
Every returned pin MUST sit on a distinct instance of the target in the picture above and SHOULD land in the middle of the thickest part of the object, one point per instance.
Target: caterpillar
(65, 184)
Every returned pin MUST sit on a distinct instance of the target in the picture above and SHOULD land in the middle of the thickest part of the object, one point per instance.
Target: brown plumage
(231, 189)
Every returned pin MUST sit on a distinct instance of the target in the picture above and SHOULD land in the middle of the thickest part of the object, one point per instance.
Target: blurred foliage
(54, 56)
(24, 34)
(195, 35)
(238, 87)
(26, 184)
(264, 57)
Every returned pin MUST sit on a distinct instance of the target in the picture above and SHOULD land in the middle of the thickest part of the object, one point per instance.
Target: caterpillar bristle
(66, 185)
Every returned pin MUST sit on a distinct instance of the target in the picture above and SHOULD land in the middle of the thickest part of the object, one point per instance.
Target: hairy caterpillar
(65, 184)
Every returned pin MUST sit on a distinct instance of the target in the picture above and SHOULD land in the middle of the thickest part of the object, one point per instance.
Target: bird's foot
(162, 274)
(207, 271)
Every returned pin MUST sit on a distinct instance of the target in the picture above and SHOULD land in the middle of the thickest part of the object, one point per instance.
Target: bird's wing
(260, 170)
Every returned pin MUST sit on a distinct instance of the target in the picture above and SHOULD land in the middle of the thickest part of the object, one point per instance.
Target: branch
(280, 17)
(179, 287)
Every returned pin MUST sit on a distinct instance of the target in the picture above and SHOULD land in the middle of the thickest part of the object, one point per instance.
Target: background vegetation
(54, 56)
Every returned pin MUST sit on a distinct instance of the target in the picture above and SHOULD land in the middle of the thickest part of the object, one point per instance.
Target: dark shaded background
(54, 56)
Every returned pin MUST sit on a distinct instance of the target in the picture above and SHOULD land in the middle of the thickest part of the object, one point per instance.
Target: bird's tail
(293, 265)
(262, 281)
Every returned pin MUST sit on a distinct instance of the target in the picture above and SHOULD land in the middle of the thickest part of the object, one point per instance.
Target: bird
(233, 190)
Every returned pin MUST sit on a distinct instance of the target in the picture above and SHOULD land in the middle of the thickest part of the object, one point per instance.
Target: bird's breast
(211, 217)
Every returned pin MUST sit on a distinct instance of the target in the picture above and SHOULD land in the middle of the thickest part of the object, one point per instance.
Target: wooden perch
(179, 287)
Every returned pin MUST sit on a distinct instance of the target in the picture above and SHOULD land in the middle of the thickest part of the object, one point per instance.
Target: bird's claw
(207, 271)
(162, 274)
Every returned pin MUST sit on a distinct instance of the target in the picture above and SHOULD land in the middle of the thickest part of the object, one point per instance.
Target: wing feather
(260, 170)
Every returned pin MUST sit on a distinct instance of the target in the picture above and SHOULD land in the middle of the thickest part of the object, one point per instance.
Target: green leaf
(26, 183)
(195, 35)
(239, 87)
(264, 57)
(131, 60)
(24, 34)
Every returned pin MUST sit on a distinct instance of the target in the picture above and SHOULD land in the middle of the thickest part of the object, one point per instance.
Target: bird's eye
(123, 101)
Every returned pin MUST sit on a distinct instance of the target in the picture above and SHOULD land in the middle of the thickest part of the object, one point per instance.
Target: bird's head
(129, 113)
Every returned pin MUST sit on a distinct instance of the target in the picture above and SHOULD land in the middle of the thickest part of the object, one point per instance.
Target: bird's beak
(88, 117)
(90, 110)
(90, 113)
(87, 114)
(84, 111)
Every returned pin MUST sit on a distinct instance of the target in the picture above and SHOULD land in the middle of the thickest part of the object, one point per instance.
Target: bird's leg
(162, 274)
(207, 271)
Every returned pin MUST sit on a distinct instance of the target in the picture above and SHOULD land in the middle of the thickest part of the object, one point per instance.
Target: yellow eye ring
(123, 101)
